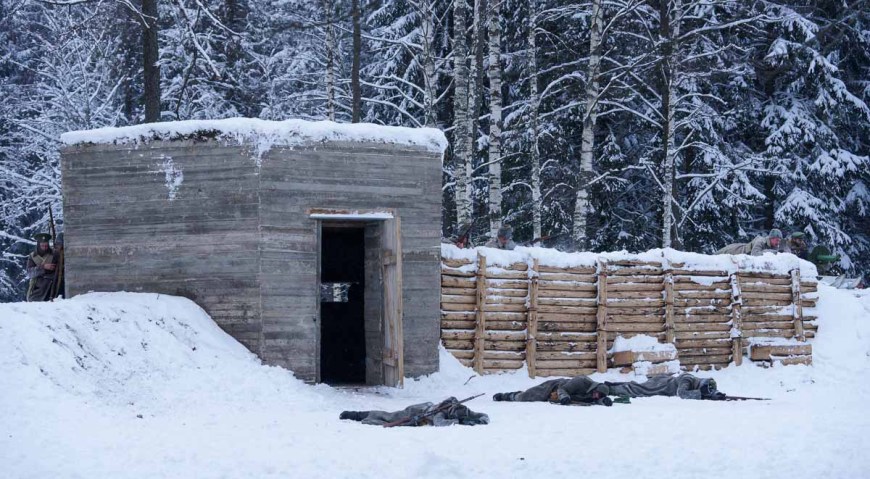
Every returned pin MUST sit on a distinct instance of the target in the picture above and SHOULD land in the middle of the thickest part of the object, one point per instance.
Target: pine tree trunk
(330, 61)
(587, 138)
(475, 89)
(494, 160)
(150, 58)
(460, 113)
(669, 29)
(534, 124)
(356, 107)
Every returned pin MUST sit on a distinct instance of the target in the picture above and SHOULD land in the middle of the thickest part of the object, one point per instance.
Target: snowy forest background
(603, 125)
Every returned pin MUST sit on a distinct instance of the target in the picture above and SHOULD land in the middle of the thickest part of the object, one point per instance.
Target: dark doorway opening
(342, 305)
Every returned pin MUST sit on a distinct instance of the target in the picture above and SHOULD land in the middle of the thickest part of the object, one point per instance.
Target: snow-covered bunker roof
(262, 133)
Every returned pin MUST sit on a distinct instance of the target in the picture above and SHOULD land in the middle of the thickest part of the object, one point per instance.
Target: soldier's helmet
(505, 232)
(775, 233)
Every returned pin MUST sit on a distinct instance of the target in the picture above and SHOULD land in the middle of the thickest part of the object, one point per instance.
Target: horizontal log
(505, 336)
(567, 318)
(766, 288)
(456, 334)
(468, 363)
(634, 280)
(453, 344)
(502, 364)
(457, 273)
(750, 302)
(766, 296)
(687, 352)
(612, 335)
(744, 281)
(809, 303)
(700, 272)
(563, 372)
(763, 318)
(657, 312)
(771, 333)
(587, 302)
(809, 287)
(693, 286)
(635, 263)
(702, 318)
(565, 364)
(577, 337)
(716, 294)
(458, 324)
(689, 303)
(588, 327)
(575, 278)
(701, 335)
(505, 300)
(702, 280)
(694, 360)
(635, 303)
(502, 316)
(701, 310)
(652, 295)
(458, 307)
(506, 307)
(702, 327)
(578, 293)
(574, 270)
(630, 271)
(625, 287)
(707, 367)
(561, 355)
(794, 360)
(545, 285)
(568, 346)
(505, 274)
(455, 282)
(506, 284)
(703, 343)
(518, 266)
(634, 318)
(567, 309)
(509, 355)
(504, 345)
(505, 325)
(461, 354)
(758, 352)
(515, 293)
(449, 298)
(459, 291)
(751, 326)
(756, 275)
(764, 309)
(627, 358)
(635, 327)
(455, 263)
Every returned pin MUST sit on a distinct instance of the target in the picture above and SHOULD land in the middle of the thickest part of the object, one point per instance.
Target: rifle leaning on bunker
(415, 419)
(58, 267)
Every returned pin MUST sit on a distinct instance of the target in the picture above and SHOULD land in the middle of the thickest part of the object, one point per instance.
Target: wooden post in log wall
(797, 310)
(670, 335)
(601, 357)
(480, 314)
(736, 321)
(532, 328)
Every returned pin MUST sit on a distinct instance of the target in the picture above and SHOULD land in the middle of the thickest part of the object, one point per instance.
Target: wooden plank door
(391, 255)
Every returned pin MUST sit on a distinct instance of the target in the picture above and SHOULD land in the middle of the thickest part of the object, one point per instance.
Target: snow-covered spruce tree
(816, 123)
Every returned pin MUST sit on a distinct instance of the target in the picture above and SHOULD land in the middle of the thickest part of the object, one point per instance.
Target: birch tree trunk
(587, 139)
(534, 125)
(475, 89)
(429, 77)
(494, 160)
(462, 169)
(330, 61)
(669, 29)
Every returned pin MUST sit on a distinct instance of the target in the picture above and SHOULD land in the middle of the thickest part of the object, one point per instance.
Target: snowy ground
(134, 386)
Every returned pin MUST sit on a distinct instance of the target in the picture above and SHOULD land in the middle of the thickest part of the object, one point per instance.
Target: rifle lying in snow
(742, 398)
(419, 417)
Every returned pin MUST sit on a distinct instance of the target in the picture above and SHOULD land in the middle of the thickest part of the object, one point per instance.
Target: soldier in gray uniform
(453, 413)
(41, 266)
(684, 386)
(757, 246)
(503, 239)
(579, 389)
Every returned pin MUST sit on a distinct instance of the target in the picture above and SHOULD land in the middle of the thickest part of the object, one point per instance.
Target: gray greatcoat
(684, 386)
(455, 413)
(756, 247)
(577, 389)
(41, 280)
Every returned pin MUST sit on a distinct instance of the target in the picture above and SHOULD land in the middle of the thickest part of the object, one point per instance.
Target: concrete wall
(235, 236)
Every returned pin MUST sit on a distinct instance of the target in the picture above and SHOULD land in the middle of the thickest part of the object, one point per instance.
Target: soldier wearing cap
(503, 239)
(41, 269)
(756, 247)
(796, 244)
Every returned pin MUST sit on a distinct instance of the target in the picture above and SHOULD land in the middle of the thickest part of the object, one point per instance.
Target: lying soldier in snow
(581, 389)
(446, 413)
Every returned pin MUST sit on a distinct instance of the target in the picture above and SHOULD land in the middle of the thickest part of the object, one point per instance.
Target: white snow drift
(141, 385)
